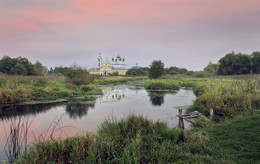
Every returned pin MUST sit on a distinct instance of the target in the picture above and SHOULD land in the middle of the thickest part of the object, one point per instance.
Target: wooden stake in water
(181, 122)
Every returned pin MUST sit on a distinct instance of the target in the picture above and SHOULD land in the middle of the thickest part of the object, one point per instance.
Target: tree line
(21, 66)
(230, 64)
(238, 64)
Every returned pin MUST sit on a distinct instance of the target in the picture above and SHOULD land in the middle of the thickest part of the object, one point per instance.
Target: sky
(182, 33)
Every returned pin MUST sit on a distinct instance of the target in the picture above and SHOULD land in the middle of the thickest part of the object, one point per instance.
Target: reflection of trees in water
(157, 98)
(10, 111)
(77, 109)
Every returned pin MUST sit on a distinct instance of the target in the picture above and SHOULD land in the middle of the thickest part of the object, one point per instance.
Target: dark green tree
(211, 68)
(19, 69)
(6, 64)
(225, 65)
(156, 69)
(241, 64)
(138, 72)
(78, 76)
(175, 70)
(38, 69)
(51, 71)
(256, 62)
(27, 65)
(235, 64)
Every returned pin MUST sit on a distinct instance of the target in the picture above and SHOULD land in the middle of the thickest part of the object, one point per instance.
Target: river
(75, 118)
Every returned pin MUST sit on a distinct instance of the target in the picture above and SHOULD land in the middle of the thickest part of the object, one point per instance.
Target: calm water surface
(79, 117)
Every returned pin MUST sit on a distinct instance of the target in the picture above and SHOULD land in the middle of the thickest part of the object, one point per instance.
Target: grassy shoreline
(228, 97)
(136, 139)
(19, 89)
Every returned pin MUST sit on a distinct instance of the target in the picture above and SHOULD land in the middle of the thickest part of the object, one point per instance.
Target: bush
(202, 122)
(78, 76)
(71, 86)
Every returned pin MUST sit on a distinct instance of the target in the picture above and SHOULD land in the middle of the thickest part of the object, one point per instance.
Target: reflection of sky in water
(117, 101)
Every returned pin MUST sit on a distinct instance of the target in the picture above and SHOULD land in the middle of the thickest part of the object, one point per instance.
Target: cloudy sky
(183, 33)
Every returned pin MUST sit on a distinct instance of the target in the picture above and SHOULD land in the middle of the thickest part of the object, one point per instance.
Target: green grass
(238, 139)
(226, 95)
(16, 89)
(136, 139)
(162, 84)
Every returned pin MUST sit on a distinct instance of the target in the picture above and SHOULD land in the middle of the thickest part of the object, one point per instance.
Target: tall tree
(241, 64)
(156, 69)
(38, 69)
(235, 64)
(256, 62)
(225, 65)
(211, 68)
(27, 65)
(6, 64)
(19, 69)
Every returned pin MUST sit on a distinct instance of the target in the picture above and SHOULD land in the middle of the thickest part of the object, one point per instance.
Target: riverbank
(136, 139)
(31, 89)
(227, 96)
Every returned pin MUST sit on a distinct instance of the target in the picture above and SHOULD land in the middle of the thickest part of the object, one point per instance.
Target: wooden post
(211, 113)
(181, 122)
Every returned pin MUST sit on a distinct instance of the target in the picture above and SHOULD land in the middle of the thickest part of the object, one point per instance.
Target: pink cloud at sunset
(172, 29)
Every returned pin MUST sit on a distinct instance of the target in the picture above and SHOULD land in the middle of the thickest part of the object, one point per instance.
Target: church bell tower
(100, 60)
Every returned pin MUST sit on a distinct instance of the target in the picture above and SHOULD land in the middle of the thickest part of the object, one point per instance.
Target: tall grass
(15, 89)
(134, 139)
(228, 97)
(162, 84)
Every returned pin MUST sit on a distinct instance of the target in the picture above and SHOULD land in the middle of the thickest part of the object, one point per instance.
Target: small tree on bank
(156, 69)
(256, 62)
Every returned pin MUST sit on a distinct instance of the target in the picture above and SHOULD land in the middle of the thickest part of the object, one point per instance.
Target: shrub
(78, 76)
(71, 86)
(202, 122)
(87, 88)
